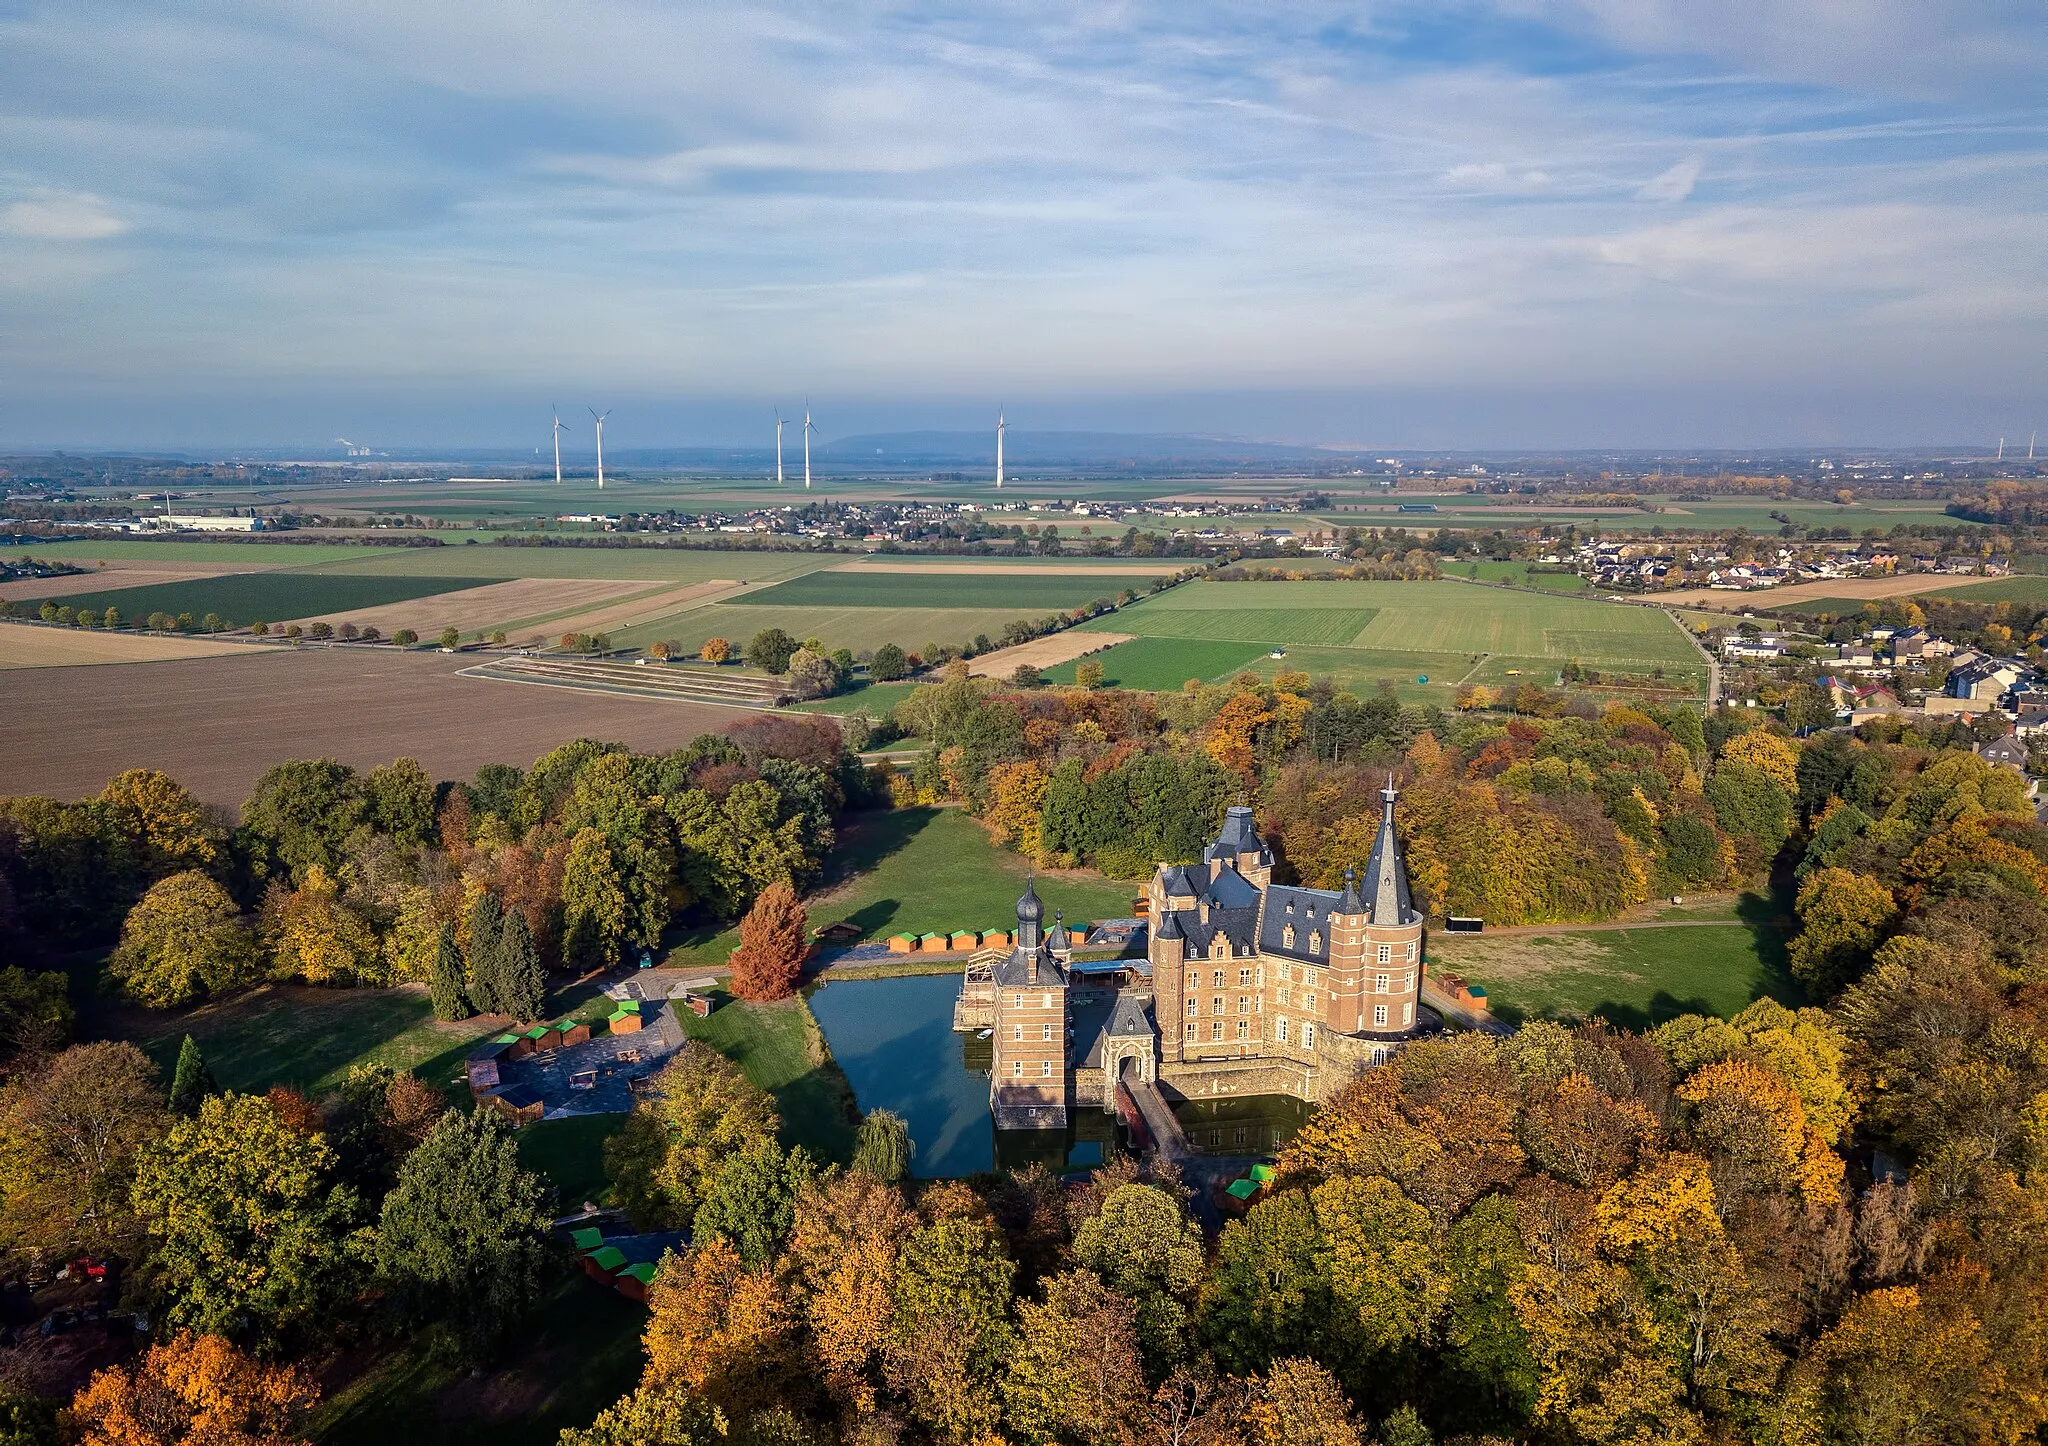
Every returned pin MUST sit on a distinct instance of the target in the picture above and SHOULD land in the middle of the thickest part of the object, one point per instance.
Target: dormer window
(1290, 906)
(1315, 941)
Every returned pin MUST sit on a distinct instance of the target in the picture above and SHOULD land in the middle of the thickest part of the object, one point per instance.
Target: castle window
(1194, 1007)
(1017, 1031)
(1308, 1001)
(1216, 1030)
(1386, 953)
(1287, 935)
(1244, 1029)
(1048, 1001)
(1048, 1031)
(1315, 941)
(1244, 1004)
(1411, 951)
(1192, 1028)
(1017, 1070)
(1045, 1069)
(1308, 977)
(1381, 983)
(1222, 948)
(1379, 1016)
(1219, 978)
(1283, 994)
(1016, 1001)
(1290, 906)
(1280, 1029)
(1244, 978)
(1308, 1036)
(1407, 1015)
(1285, 972)
(1216, 1005)
(1408, 982)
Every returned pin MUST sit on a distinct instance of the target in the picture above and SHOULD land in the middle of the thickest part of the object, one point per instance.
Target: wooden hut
(587, 1239)
(543, 1036)
(516, 1046)
(626, 1018)
(482, 1065)
(697, 1004)
(965, 939)
(604, 1263)
(902, 944)
(573, 1031)
(633, 1282)
(521, 1104)
(934, 943)
(996, 939)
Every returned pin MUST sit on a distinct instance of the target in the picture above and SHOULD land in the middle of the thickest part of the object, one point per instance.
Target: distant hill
(1046, 449)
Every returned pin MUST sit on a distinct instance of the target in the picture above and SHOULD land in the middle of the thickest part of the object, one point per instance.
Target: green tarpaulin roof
(1242, 1189)
(586, 1240)
(609, 1258)
(538, 1030)
(506, 1039)
(643, 1272)
(1263, 1173)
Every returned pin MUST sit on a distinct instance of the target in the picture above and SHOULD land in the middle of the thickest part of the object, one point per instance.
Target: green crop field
(1998, 589)
(843, 627)
(1019, 594)
(225, 554)
(873, 699)
(1634, 978)
(1335, 627)
(1521, 574)
(1162, 664)
(246, 597)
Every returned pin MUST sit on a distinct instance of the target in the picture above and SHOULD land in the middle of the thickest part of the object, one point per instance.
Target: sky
(1543, 223)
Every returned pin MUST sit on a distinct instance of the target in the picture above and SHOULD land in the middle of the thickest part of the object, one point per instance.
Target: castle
(1247, 987)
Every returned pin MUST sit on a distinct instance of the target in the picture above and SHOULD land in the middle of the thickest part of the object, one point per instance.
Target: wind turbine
(808, 429)
(600, 445)
(779, 425)
(1001, 427)
(560, 426)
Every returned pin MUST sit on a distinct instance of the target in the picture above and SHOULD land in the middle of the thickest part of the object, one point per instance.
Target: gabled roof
(1132, 1018)
(1308, 911)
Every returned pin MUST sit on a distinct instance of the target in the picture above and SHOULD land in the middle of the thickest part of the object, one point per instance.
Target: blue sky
(1590, 222)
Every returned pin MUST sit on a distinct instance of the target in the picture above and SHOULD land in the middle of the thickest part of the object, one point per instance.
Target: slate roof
(1132, 1019)
(1386, 876)
(1240, 835)
(1308, 910)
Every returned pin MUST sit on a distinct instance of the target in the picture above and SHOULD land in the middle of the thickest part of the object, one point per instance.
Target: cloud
(1674, 184)
(61, 216)
(1495, 178)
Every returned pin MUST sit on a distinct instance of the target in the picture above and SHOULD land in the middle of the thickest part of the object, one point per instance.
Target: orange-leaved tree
(194, 1388)
(771, 945)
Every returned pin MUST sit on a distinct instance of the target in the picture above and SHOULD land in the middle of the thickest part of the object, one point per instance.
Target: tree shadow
(1663, 1007)
(870, 838)
(875, 917)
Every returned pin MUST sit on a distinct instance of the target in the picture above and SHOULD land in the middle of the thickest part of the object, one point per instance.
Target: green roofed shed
(1241, 1189)
(539, 1031)
(506, 1039)
(609, 1259)
(1263, 1174)
(586, 1240)
(643, 1272)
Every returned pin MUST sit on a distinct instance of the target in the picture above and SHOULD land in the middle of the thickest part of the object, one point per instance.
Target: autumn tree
(750, 1199)
(183, 941)
(316, 935)
(715, 650)
(402, 802)
(949, 1332)
(161, 819)
(463, 1236)
(701, 1110)
(1299, 1403)
(1841, 916)
(883, 1148)
(69, 1134)
(772, 945)
(250, 1235)
(722, 1330)
(1075, 1375)
(194, 1390)
(593, 903)
(1143, 1248)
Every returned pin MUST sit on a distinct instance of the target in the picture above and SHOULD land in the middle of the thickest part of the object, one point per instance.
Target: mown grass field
(2032, 589)
(782, 1051)
(1521, 574)
(1025, 595)
(1362, 633)
(1163, 664)
(226, 554)
(873, 699)
(247, 597)
(1635, 978)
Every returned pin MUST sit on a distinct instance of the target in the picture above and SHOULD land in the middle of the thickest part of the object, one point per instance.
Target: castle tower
(1376, 942)
(1028, 1075)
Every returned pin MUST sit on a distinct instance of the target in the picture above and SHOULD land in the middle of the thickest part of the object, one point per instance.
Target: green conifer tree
(193, 1081)
(522, 988)
(486, 973)
(444, 977)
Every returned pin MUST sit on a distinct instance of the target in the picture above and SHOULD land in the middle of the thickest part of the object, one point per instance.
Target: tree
(1841, 914)
(36, 1016)
(883, 1150)
(463, 1235)
(320, 632)
(715, 650)
(451, 639)
(701, 1110)
(402, 801)
(1267, 1298)
(593, 903)
(888, 664)
(1088, 673)
(445, 979)
(772, 945)
(653, 1416)
(304, 811)
(192, 1083)
(161, 819)
(317, 936)
(1148, 1252)
(251, 1237)
(1298, 1403)
(1024, 675)
(949, 1332)
(750, 1199)
(404, 638)
(770, 650)
(522, 988)
(183, 941)
(1075, 1375)
(194, 1390)
(816, 674)
(69, 1133)
(486, 922)
(721, 1330)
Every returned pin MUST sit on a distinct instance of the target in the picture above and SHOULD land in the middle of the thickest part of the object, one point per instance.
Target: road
(1713, 663)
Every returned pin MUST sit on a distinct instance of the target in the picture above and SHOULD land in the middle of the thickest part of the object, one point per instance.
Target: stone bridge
(1147, 1116)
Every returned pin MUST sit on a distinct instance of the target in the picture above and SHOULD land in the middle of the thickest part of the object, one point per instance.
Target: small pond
(894, 1040)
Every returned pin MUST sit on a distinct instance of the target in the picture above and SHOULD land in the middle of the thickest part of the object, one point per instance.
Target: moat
(894, 1039)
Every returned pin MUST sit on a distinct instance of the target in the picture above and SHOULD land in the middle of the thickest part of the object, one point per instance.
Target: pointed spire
(1386, 878)
(1351, 903)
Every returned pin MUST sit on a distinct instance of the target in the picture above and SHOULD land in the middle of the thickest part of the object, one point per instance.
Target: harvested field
(1042, 653)
(679, 683)
(24, 645)
(215, 723)
(493, 605)
(645, 607)
(1860, 589)
(1027, 594)
(120, 575)
(241, 598)
(1118, 566)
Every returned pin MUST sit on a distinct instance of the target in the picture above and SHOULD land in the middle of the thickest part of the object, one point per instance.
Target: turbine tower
(1001, 427)
(558, 444)
(779, 425)
(600, 445)
(808, 429)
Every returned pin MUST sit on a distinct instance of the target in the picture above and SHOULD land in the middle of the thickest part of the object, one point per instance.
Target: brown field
(119, 575)
(1904, 585)
(492, 605)
(216, 723)
(1045, 652)
(33, 646)
(645, 607)
(1120, 565)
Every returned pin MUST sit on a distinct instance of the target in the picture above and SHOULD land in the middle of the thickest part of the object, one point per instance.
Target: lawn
(873, 699)
(1162, 664)
(1036, 594)
(1635, 978)
(920, 871)
(1522, 574)
(570, 1152)
(577, 1353)
(783, 1052)
(307, 1038)
(246, 597)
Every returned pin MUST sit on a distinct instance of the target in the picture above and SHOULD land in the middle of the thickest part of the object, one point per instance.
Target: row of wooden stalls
(522, 1103)
(628, 1265)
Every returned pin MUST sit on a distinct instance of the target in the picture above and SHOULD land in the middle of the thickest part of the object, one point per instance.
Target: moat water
(894, 1039)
